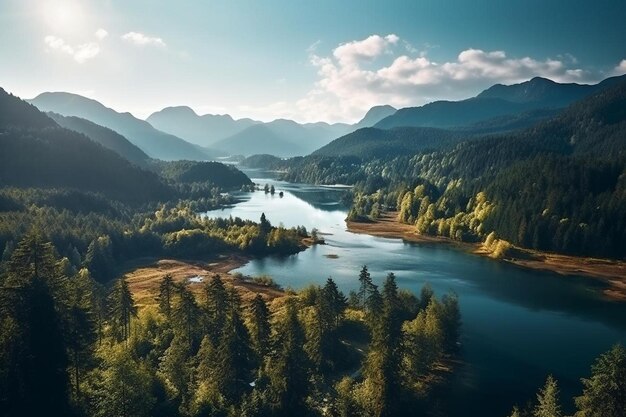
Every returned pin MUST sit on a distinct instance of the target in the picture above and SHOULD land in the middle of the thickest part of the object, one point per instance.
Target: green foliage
(604, 393)
(548, 400)
(287, 369)
(122, 385)
(122, 308)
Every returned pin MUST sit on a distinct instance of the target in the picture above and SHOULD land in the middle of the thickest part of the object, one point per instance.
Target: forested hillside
(36, 152)
(558, 186)
(104, 136)
(370, 142)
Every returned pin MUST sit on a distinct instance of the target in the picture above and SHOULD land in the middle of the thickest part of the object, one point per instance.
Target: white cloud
(621, 68)
(80, 53)
(58, 43)
(86, 51)
(101, 33)
(142, 40)
(384, 70)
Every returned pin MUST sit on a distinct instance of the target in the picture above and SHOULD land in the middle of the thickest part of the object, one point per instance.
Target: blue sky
(322, 60)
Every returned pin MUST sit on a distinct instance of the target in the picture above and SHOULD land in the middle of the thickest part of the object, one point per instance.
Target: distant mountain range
(497, 110)
(497, 101)
(282, 138)
(176, 133)
(203, 130)
(155, 143)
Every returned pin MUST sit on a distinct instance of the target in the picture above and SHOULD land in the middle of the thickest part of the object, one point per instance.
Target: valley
(423, 238)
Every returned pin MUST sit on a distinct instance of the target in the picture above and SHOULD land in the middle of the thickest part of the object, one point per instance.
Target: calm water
(518, 325)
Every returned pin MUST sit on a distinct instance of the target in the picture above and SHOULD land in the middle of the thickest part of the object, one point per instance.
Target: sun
(63, 16)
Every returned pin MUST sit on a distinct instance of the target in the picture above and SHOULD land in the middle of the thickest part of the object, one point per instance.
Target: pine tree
(124, 385)
(122, 308)
(186, 316)
(450, 322)
(260, 330)
(216, 306)
(287, 366)
(548, 400)
(166, 294)
(384, 358)
(33, 358)
(604, 394)
(334, 300)
(365, 286)
(81, 325)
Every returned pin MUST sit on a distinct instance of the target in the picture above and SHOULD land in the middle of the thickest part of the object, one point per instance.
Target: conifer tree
(122, 308)
(548, 400)
(287, 366)
(260, 330)
(365, 286)
(604, 393)
(166, 294)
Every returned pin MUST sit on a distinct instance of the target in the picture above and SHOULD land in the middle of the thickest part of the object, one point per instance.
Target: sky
(308, 61)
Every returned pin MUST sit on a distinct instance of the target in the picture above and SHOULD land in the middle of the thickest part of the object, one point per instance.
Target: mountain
(155, 143)
(36, 152)
(375, 115)
(104, 136)
(498, 100)
(202, 130)
(371, 143)
(447, 114)
(259, 139)
(547, 92)
(281, 137)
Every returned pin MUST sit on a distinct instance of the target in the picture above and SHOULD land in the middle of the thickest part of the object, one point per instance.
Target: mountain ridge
(155, 143)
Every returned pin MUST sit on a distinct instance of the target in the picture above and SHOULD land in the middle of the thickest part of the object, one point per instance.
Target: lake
(518, 325)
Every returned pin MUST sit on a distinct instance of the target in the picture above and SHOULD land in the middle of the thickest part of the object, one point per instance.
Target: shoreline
(145, 274)
(611, 272)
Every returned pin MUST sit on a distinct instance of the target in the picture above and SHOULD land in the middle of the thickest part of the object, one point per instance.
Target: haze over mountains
(176, 133)
(202, 130)
(245, 136)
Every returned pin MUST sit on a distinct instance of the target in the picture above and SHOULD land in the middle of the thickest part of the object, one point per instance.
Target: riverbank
(610, 272)
(144, 276)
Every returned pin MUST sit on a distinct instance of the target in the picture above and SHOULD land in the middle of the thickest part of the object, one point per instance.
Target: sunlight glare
(63, 16)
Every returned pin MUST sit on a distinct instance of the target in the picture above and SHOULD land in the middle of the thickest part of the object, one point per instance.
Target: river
(518, 325)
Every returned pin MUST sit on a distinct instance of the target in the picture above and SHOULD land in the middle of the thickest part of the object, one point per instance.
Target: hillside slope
(155, 143)
(36, 152)
(104, 136)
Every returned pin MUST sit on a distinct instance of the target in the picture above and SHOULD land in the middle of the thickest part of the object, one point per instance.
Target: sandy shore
(612, 273)
(145, 274)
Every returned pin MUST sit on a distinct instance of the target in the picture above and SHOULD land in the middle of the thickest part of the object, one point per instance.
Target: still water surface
(518, 325)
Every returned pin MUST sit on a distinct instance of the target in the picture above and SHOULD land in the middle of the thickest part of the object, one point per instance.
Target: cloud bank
(383, 70)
